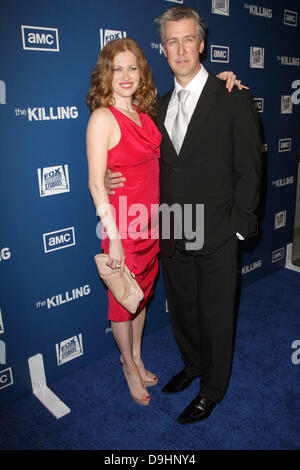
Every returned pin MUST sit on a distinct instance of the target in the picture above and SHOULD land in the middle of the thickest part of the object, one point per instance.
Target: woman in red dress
(121, 136)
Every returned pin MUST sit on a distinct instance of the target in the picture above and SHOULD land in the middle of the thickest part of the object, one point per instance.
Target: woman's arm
(99, 138)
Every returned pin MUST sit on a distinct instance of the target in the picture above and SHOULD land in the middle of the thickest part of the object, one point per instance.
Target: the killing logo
(53, 180)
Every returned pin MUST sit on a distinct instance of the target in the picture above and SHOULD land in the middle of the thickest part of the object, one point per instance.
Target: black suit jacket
(219, 165)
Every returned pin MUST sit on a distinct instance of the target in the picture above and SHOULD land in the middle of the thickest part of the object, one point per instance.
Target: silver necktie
(181, 121)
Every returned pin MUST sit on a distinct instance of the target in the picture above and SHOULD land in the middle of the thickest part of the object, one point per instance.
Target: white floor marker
(288, 260)
(40, 389)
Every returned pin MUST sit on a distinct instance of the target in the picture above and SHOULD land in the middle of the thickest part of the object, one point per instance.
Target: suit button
(177, 170)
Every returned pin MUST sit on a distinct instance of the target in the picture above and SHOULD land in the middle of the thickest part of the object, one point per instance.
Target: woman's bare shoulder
(101, 116)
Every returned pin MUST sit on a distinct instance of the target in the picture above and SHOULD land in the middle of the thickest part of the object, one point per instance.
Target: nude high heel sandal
(143, 400)
(149, 382)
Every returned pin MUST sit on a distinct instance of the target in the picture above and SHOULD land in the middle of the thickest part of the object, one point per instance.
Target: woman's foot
(136, 387)
(147, 377)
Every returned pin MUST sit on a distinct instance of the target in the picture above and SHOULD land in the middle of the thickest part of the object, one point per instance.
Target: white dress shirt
(195, 86)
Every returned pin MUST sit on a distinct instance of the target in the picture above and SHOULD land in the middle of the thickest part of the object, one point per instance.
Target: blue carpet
(260, 410)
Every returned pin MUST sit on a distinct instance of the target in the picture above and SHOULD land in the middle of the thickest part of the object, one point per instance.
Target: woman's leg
(137, 329)
(123, 334)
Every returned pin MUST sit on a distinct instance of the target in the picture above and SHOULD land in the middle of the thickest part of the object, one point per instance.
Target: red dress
(136, 156)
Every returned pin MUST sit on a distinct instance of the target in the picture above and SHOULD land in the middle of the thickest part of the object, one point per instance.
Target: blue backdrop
(52, 301)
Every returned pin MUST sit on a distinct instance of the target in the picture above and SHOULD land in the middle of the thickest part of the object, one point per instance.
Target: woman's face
(126, 75)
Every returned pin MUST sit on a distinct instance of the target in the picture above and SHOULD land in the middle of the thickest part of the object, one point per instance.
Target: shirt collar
(196, 85)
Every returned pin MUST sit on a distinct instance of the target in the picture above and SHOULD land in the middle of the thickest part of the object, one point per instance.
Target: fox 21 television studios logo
(107, 35)
(53, 180)
(69, 349)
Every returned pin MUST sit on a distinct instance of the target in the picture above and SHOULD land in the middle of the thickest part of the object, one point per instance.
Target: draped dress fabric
(135, 204)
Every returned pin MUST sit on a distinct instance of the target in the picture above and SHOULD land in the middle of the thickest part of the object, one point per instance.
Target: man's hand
(113, 180)
(231, 80)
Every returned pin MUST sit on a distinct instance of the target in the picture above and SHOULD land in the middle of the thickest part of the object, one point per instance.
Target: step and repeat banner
(52, 301)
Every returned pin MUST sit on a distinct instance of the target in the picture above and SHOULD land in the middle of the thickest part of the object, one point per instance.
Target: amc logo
(290, 18)
(285, 145)
(278, 254)
(59, 239)
(6, 378)
(259, 104)
(37, 38)
(219, 53)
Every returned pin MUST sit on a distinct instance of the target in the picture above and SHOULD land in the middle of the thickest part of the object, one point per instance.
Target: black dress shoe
(198, 409)
(178, 382)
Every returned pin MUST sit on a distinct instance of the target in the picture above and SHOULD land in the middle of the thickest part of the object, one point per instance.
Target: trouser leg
(216, 276)
(179, 273)
(200, 291)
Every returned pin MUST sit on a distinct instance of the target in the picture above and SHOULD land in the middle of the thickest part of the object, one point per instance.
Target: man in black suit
(210, 170)
(212, 159)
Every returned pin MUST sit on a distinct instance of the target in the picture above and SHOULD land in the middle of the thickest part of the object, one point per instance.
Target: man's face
(181, 48)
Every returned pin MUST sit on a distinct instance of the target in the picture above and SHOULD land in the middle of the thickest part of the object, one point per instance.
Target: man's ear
(164, 52)
(201, 47)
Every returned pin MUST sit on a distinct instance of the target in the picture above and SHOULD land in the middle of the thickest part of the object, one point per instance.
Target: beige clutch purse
(124, 288)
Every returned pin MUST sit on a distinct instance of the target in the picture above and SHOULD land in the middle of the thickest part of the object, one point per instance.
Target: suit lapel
(160, 120)
(162, 110)
(205, 103)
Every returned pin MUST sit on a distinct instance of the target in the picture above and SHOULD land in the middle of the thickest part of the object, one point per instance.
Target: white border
(276, 251)
(288, 259)
(290, 24)
(39, 48)
(287, 150)
(57, 231)
(262, 108)
(223, 47)
(41, 390)
(11, 378)
(260, 66)
(216, 11)
(1, 323)
(123, 33)
(59, 191)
